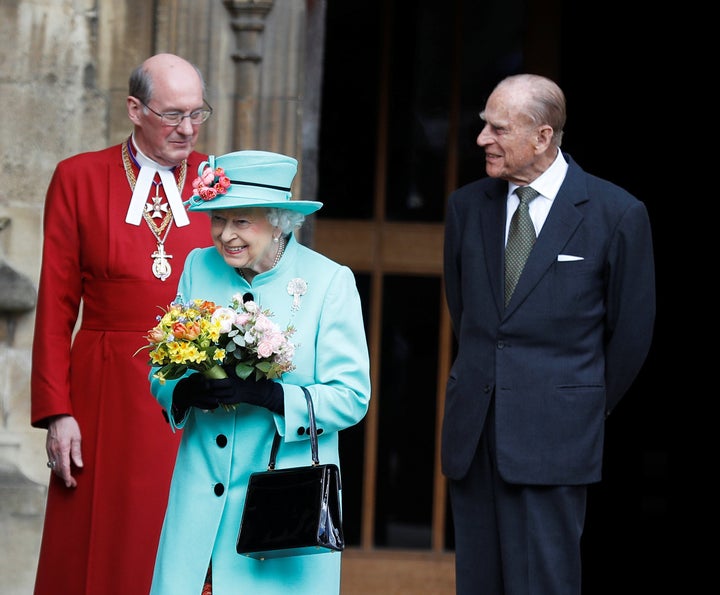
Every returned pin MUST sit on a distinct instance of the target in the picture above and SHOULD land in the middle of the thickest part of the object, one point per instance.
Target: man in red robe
(116, 235)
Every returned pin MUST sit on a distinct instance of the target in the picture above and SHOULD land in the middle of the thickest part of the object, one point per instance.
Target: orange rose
(155, 335)
(192, 331)
(179, 330)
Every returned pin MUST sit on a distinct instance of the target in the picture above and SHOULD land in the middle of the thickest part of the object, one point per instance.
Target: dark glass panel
(491, 49)
(420, 87)
(408, 378)
(348, 129)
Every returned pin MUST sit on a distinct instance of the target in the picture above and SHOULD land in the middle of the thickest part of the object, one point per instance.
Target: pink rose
(208, 193)
(208, 176)
(265, 348)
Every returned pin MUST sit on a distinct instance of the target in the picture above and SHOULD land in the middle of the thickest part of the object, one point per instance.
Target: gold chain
(131, 174)
(132, 180)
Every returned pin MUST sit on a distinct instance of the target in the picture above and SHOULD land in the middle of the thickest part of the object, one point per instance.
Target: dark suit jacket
(569, 344)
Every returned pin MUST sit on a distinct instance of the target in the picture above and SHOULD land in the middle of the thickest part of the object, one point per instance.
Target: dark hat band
(259, 185)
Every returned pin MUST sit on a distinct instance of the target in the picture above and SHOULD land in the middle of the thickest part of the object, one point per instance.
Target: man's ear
(134, 108)
(543, 137)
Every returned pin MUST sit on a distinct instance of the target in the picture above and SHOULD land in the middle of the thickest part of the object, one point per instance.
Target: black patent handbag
(295, 511)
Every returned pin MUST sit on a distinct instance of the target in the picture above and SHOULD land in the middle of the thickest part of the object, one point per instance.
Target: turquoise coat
(220, 449)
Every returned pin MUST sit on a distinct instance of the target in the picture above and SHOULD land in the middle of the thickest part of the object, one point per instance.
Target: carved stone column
(248, 24)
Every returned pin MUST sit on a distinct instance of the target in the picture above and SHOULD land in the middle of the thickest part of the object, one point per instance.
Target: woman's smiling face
(244, 238)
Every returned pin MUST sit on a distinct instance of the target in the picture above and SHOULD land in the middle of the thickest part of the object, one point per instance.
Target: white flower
(226, 318)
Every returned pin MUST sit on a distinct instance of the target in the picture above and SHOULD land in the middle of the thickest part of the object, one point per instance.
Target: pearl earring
(275, 240)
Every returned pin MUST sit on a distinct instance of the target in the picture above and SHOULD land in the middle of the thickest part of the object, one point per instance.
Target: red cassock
(101, 537)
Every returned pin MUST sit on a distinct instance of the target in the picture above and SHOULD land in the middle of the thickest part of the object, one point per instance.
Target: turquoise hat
(245, 179)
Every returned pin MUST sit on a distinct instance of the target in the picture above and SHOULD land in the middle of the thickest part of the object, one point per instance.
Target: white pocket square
(568, 258)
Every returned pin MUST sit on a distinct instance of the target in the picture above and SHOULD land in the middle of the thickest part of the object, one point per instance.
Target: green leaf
(243, 370)
(264, 366)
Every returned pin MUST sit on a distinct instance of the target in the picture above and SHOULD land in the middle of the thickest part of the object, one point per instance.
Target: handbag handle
(313, 435)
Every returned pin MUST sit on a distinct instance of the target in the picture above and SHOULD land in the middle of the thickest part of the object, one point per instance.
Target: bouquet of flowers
(200, 335)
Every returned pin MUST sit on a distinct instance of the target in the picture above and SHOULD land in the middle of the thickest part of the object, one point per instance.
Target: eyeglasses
(197, 117)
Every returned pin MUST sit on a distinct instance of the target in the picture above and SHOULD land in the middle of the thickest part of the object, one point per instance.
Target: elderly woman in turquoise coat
(256, 252)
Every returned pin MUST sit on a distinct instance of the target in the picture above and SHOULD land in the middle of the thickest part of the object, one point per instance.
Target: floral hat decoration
(246, 179)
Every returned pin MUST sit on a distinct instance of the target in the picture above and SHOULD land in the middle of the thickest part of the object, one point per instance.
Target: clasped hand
(209, 393)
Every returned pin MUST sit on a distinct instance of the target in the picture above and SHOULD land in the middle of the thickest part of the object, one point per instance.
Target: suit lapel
(493, 237)
(562, 221)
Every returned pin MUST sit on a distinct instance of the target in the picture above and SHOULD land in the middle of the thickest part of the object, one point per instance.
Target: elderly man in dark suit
(540, 364)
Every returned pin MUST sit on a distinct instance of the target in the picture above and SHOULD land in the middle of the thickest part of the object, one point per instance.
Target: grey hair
(545, 101)
(286, 219)
(140, 84)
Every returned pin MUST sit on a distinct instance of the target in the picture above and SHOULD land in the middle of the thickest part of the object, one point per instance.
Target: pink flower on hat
(211, 183)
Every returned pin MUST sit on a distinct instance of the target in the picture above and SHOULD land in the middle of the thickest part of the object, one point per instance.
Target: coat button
(300, 431)
(219, 489)
(221, 440)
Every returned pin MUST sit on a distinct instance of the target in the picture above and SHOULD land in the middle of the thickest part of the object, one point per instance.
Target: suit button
(501, 344)
(486, 388)
(219, 489)
(221, 440)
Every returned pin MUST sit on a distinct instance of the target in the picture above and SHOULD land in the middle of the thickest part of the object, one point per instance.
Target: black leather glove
(262, 393)
(209, 393)
(204, 393)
